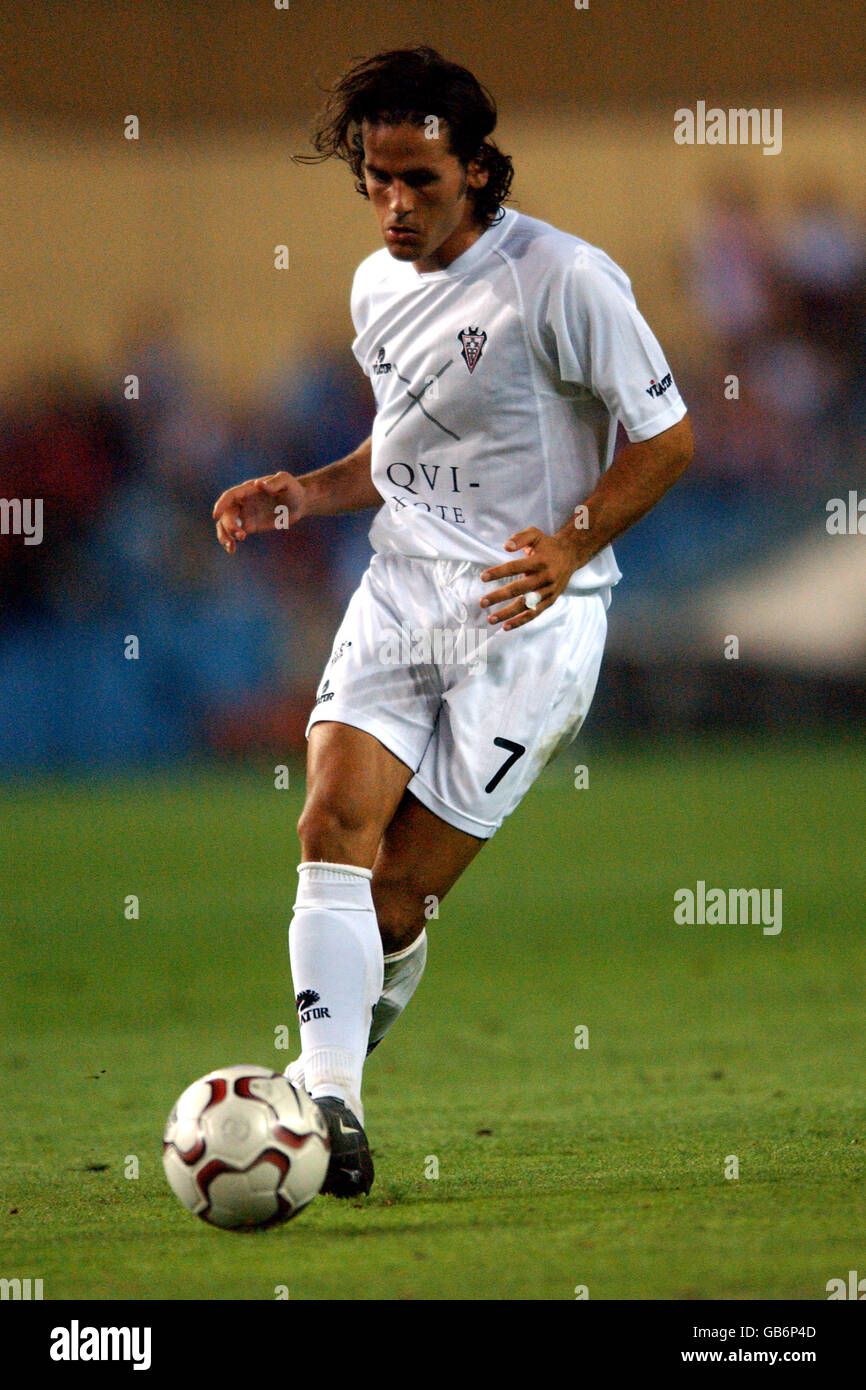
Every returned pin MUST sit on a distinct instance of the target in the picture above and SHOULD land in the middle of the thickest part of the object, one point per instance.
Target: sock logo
(304, 1004)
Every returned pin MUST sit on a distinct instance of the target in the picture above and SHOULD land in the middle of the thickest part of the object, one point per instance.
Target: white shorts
(474, 711)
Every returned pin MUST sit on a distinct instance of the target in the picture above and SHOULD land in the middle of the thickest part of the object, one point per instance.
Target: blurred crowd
(783, 307)
(777, 387)
(229, 651)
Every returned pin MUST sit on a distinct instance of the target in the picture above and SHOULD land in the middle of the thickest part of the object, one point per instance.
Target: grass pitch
(560, 1167)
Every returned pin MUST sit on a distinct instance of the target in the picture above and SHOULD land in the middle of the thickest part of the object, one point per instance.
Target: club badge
(471, 342)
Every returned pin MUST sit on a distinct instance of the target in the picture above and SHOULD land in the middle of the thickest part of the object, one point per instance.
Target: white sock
(337, 970)
(295, 1073)
(401, 977)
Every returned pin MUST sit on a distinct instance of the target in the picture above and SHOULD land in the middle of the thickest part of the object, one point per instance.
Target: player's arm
(638, 477)
(344, 486)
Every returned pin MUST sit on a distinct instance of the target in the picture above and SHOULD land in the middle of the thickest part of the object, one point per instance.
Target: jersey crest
(471, 342)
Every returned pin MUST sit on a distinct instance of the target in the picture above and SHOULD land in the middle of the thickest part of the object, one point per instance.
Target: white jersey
(498, 383)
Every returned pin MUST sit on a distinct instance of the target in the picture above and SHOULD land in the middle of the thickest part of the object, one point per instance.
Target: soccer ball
(243, 1148)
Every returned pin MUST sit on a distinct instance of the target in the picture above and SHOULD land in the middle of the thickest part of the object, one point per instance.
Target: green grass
(558, 1166)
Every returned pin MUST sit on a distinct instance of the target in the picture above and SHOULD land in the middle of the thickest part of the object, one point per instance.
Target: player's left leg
(420, 858)
(493, 737)
(497, 728)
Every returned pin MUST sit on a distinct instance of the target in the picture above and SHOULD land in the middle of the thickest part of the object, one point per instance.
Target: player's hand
(547, 568)
(252, 506)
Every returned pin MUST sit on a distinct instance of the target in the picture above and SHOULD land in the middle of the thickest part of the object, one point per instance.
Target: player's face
(421, 194)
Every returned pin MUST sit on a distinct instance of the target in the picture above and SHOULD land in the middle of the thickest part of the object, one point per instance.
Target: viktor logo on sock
(304, 1003)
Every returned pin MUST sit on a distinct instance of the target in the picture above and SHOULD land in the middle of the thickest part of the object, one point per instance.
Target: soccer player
(502, 352)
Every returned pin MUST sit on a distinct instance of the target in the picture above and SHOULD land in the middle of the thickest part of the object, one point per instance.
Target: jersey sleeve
(601, 341)
(358, 304)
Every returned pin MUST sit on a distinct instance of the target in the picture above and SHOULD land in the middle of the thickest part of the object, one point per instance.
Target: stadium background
(156, 257)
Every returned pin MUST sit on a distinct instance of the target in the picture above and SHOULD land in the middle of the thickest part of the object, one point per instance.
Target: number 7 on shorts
(515, 750)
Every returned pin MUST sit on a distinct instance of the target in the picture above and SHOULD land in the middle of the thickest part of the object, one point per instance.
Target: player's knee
(400, 913)
(334, 831)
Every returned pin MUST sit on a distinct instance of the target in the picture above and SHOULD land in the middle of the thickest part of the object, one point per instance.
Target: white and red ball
(242, 1148)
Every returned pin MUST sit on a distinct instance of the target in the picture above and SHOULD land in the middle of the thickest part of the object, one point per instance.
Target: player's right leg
(419, 859)
(354, 786)
(378, 711)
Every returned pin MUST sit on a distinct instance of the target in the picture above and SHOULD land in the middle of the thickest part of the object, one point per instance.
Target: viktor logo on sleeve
(658, 388)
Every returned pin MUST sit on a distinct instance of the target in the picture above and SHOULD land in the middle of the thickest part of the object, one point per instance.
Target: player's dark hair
(409, 85)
